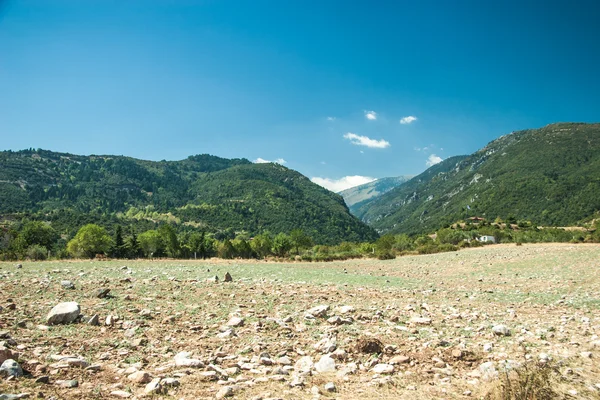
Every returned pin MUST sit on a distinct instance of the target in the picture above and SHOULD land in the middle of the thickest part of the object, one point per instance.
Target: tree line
(38, 240)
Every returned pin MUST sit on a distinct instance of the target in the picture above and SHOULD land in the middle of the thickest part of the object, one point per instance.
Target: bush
(37, 252)
(529, 382)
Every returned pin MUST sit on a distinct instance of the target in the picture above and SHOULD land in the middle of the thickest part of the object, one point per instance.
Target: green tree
(262, 244)
(226, 249)
(118, 249)
(90, 240)
(242, 248)
(282, 244)
(151, 243)
(132, 246)
(38, 233)
(197, 244)
(300, 240)
(169, 237)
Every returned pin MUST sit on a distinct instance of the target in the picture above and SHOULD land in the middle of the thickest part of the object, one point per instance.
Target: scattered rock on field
(235, 322)
(318, 311)
(383, 369)
(102, 293)
(330, 387)
(11, 368)
(63, 313)
(228, 278)
(325, 364)
(67, 285)
(501, 330)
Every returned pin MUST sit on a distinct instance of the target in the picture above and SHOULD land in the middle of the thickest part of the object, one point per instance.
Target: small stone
(182, 360)
(318, 311)
(14, 396)
(325, 364)
(457, 353)
(399, 360)
(304, 364)
(63, 313)
(67, 285)
(43, 379)
(102, 293)
(420, 321)
(383, 369)
(6, 354)
(154, 387)
(140, 377)
(501, 330)
(488, 347)
(236, 322)
(228, 278)
(586, 354)
(326, 345)
(330, 387)
(121, 394)
(226, 391)
(19, 266)
(11, 368)
(346, 309)
(94, 321)
(71, 383)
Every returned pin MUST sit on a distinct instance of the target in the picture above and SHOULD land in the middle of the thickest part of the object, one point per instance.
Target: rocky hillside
(550, 176)
(359, 195)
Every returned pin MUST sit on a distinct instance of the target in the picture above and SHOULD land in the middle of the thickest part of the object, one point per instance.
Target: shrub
(529, 382)
(37, 252)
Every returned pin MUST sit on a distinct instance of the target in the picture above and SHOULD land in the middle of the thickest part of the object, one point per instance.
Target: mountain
(550, 176)
(201, 192)
(359, 195)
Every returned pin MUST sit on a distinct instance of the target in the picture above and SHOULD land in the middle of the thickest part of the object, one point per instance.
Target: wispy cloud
(408, 120)
(433, 159)
(263, 161)
(370, 115)
(331, 118)
(337, 185)
(366, 141)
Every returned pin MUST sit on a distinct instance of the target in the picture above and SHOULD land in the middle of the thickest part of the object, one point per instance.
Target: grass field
(547, 295)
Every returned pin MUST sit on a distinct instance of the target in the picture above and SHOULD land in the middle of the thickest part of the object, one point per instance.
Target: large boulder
(63, 313)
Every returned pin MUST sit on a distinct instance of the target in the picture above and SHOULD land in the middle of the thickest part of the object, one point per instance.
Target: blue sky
(322, 85)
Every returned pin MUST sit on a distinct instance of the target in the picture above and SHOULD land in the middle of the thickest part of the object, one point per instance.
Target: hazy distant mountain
(371, 190)
(550, 176)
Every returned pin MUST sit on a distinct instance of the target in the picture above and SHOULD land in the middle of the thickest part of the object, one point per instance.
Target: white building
(486, 239)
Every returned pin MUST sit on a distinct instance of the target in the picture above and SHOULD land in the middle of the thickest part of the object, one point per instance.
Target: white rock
(383, 369)
(236, 321)
(501, 330)
(304, 364)
(318, 311)
(154, 387)
(420, 321)
(183, 360)
(63, 313)
(325, 364)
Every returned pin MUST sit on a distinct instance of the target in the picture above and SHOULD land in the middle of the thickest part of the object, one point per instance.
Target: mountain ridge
(200, 192)
(549, 175)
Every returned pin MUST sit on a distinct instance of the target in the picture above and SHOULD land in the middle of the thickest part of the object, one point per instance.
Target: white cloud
(366, 141)
(408, 120)
(371, 115)
(263, 161)
(433, 159)
(331, 118)
(337, 185)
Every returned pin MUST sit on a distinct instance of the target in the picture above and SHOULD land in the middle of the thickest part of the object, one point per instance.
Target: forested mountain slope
(201, 192)
(550, 176)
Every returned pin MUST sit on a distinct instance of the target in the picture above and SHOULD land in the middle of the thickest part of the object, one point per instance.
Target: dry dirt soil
(415, 327)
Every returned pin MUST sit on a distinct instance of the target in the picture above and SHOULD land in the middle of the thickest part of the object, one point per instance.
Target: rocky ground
(436, 326)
